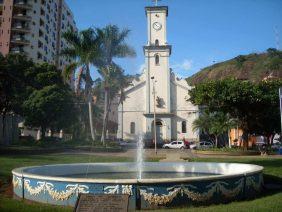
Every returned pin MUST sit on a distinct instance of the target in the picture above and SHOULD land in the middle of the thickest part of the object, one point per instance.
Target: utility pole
(155, 123)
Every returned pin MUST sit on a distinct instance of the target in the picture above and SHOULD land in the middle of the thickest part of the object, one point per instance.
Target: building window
(39, 55)
(156, 42)
(40, 33)
(40, 44)
(42, 12)
(157, 59)
(132, 127)
(183, 126)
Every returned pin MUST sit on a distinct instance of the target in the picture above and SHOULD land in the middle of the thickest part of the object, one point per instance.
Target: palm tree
(84, 49)
(202, 123)
(113, 45)
(215, 123)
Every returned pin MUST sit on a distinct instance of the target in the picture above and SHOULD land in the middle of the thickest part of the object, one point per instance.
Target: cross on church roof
(156, 2)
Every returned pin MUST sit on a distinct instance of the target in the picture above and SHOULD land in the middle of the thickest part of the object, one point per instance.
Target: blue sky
(201, 32)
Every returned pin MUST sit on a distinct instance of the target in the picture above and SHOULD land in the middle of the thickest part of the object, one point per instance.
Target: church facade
(157, 91)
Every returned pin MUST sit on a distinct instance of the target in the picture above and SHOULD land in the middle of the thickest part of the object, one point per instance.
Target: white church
(174, 114)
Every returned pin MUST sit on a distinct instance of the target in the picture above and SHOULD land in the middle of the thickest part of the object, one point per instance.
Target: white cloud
(186, 65)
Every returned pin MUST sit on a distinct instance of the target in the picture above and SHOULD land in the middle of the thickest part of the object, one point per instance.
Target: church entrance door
(159, 131)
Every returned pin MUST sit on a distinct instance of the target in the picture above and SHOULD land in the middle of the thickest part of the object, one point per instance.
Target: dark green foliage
(12, 82)
(51, 107)
(240, 60)
(272, 52)
(255, 105)
(41, 75)
(275, 61)
(36, 92)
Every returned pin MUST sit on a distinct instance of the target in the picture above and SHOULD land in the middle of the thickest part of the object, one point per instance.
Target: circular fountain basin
(161, 184)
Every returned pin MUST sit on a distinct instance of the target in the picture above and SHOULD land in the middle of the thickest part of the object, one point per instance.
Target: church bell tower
(157, 53)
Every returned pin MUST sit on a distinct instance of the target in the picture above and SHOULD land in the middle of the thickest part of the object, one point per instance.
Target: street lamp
(280, 100)
(155, 124)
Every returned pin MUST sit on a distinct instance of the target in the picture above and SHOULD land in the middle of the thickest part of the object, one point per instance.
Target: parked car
(261, 142)
(193, 145)
(202, 145)
(205, 145)
(175, 145)
(276, 145)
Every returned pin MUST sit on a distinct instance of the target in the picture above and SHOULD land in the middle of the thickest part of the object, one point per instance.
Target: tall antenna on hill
(277, 42)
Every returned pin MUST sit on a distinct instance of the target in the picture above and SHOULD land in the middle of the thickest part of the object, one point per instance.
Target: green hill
(253, 67)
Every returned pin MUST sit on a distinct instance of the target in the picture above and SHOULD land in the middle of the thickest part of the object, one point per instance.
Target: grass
(267, 202)
(13, 161)
(272, 166)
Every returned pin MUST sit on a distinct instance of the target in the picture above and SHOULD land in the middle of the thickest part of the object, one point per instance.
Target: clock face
(157, 26)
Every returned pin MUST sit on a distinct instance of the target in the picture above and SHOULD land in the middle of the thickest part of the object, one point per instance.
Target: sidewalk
(165, 154)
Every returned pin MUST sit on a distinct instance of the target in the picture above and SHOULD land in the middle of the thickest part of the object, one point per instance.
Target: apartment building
(35, 28)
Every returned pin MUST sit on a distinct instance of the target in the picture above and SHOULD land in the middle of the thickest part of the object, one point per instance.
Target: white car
(175, 145)
(202, 145)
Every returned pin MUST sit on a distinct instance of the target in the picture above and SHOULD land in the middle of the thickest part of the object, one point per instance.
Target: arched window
(183, 125)
(132, 127)
(157, 59)
(156, 42)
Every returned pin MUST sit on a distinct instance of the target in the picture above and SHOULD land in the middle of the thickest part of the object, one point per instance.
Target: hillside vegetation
(253, 67)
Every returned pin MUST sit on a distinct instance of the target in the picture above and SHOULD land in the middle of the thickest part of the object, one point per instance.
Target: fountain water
(140, 151)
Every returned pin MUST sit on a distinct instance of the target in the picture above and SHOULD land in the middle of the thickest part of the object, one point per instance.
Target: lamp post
(280, 100)
(155, 124)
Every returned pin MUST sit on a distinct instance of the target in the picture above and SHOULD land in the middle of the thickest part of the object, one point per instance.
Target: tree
(215, 123)
(254, 106)
(113, 45)
(51, 107)
(85, 50)
(12, 85)
(202, 123)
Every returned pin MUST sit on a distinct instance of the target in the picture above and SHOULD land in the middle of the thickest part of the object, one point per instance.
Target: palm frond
(124, 50)
(69, 52)
(72, 38)
(69, 70)
(123, 35)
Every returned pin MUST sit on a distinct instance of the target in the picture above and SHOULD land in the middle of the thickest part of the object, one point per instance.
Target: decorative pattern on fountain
(42, 186)
(17, 181)
(192, 192)
(125, 189)
(251, 182)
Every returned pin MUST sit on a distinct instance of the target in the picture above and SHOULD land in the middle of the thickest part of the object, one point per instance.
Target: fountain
(140, 152)
(148, 184)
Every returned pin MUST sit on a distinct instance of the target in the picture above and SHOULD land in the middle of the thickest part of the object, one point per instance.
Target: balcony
(21, 16)
(19, 27)
(17, 50)
(22, 4)
(18, 39)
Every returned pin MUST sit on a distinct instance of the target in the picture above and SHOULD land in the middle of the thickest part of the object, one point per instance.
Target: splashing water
(140, 151)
